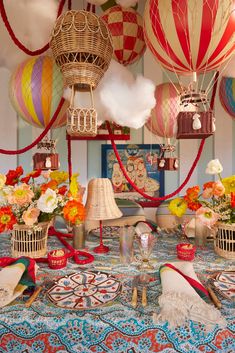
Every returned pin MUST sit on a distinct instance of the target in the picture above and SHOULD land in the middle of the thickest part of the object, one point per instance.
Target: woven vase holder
(29, 241)
(224, 243)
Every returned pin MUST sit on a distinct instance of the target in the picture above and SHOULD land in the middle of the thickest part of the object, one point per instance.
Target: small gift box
(57, 259)
(185, 251)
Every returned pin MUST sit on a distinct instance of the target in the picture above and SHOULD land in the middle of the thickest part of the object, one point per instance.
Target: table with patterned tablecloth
(117, 326)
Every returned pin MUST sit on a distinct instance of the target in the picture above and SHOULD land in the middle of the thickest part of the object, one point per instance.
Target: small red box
(185, 253)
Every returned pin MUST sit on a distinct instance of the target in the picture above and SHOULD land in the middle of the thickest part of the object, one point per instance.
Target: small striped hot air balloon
(163, 120)
(227, 94)
(190, 36)
(36, 88)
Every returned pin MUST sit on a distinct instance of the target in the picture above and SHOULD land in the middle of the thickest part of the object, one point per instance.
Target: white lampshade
(101, 204)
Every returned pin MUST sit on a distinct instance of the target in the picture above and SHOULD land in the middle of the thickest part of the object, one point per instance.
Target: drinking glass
(146, 243)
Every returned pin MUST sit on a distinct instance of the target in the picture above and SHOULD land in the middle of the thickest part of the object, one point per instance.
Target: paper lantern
(190, 36)
(163, 120)
(227, 94)
(36, 88)
(126, 27)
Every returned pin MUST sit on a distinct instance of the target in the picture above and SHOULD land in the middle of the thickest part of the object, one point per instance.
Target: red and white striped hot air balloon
(163, 120)
(190, 35)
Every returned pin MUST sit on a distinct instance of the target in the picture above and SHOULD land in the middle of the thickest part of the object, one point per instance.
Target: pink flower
(30, 216)
(20, 195)
(207, 193)
(218, 189)
(207, 216)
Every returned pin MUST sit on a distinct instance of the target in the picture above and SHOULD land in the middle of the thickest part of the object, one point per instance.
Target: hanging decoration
(163, 123)
(126, 27)
(48, 160)
(227, 95)
(191, 37)
(82, 47)
(35, 91)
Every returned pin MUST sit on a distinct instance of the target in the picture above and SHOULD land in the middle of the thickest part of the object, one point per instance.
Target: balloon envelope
(36, 88)
(163, 120)
(190, 36)
(227, 94)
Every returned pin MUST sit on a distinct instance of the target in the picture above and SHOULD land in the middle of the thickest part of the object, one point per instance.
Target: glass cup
(146, 243)
(201, 233)
(126, 237)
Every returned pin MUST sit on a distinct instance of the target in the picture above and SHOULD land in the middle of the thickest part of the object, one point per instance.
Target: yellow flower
(2, 180)
(229, 184)
(74, 186)
(59, 177)
(178, 207)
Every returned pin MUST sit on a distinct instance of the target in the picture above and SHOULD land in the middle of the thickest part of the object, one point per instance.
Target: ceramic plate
(225, 283)
(84, 290)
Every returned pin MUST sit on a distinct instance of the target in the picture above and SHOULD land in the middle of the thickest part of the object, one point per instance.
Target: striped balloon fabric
(126, 28)
(163, 120)
(36, 88)
(227, 94)
(188, 35)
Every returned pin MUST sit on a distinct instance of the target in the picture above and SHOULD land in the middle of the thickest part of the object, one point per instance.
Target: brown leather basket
(40, 161)
(185, 121)
(168, 163)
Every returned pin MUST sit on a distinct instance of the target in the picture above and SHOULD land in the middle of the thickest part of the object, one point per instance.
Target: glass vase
(201, 233)
(79, 236)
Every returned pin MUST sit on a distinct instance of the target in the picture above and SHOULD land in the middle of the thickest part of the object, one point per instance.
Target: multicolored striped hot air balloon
(36, 88)
(190, 36)
(163, 120)
(227, 94)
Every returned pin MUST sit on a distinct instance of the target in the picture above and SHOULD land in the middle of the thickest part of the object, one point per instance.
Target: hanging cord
(16, 40)
(212, 102)
(140, 191)
(40, 137)
(69, 149)
(69, 5)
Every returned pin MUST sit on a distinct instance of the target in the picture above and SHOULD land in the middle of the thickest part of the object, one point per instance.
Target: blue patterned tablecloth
(116, 327)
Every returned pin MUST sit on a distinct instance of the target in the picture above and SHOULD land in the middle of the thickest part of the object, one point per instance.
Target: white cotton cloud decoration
(126, 3)
(128, 104)
(119, 97)
(32, 22)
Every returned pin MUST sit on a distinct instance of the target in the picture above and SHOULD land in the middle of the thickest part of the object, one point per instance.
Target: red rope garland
(40, 137)
(136, 187)
(16, 40)
(69, 4)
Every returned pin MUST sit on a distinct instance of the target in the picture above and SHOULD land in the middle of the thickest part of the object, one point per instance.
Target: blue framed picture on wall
(140, 162)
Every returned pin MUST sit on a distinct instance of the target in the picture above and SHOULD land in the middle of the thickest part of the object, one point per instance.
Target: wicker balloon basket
(225, 240)
(29, 241)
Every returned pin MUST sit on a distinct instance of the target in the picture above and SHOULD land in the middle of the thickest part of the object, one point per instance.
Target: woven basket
(81, 122)
(225, 240)
(29, 241)
(185, 125)
(82, 47)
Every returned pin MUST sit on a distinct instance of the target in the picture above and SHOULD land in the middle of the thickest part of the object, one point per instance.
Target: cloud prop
(32, 22)
(120, 97)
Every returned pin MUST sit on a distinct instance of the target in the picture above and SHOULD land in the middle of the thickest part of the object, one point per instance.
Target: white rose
(48, 201)
(214, 167)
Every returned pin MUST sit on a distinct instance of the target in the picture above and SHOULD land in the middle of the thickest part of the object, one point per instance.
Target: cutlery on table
(33, 297)
(135, 283)
(144, 280)
(214, 297)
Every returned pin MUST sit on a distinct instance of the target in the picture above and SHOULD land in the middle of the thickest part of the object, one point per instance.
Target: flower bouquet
(214, 206)
(27, 207)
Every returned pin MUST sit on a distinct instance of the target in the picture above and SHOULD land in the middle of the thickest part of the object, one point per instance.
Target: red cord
(16, 40)
(40, 137)
(69, 5)
(136, 187)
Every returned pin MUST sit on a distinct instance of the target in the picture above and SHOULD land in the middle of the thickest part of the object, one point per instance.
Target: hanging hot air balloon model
(191, 37)
(126, 28)
(163, 123)
(227, 95)
(82, 47)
